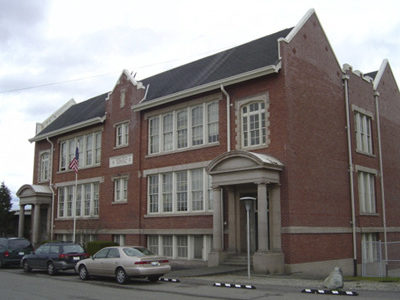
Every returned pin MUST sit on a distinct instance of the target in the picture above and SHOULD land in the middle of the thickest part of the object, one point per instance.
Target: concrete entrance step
(237, 260)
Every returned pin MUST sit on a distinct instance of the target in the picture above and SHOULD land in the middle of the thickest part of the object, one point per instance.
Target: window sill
(369, 214)
(78, 218)
(182, 214)
(81, 168)
(365, 153)
(121, 146)
(119, 202)
(183, 149)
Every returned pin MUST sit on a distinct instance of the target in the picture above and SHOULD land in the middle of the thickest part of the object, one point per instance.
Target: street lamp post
(248, 202)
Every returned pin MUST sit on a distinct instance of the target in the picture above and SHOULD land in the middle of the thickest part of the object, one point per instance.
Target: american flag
(74, 164)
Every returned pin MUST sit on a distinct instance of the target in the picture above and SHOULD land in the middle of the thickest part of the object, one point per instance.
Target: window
(366, 192)
(122, 134)
(44, 169)
(168, 127)
(119, 239)
(167, 192)
(197, 189)
(89, 147)
(121, 189)
(363, 132)
(181, 125)
(253, 124)
(154, 135)
(212, 122)
(188, 127)
(152, 243)
(182, 246)
(197, 125)
(182, 191)
(167, 245)
(369, 247)
(87, 200)
(153, 193)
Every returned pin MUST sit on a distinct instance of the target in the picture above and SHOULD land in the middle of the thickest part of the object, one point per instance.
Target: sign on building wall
(121, 160)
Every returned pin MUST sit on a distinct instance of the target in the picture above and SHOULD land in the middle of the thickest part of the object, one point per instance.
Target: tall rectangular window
(89, 149)
(121, 189)
(181, 191)
(154, 134)
(167, 192)
(88, 198)
(153, 193)
(61, 201)
(182, 246)
(167, 245)
(152, 243)
(44, 170)
(78, 200)
(96, 194)
(197, 125)
(182, 128)
(168, 127)
(212, 126)
(369, 247)
(63, 156)
(98, 147)
(70, 198)
(253, 124)
(363, 132)
(122, 134)
(366, 192)
(197, 189)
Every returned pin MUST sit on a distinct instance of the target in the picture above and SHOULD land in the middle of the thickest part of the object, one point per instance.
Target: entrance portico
(237, 174)
(39, 196)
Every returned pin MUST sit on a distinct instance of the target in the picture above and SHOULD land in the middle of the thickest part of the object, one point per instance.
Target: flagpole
(74, 206)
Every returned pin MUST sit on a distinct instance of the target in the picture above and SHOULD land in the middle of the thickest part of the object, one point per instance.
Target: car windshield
(18, 244)
(73, 249)
(137, 251)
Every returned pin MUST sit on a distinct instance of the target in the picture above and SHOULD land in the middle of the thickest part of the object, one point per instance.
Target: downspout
(52, 191)
(378, 126)
(353, 213)
(228, 118)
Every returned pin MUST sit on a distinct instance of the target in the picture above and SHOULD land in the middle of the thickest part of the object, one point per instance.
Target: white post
(74, 206)
(248, 202)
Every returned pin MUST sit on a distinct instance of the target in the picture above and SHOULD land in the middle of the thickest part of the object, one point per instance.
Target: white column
(275, 215)
(217, 220)
(262, 217)
(21, 221)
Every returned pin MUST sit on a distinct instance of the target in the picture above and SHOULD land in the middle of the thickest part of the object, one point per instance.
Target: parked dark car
(54, 256)
(13, 249)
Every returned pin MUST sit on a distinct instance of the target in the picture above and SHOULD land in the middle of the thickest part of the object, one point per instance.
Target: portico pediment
(237, 167)
(34, 194)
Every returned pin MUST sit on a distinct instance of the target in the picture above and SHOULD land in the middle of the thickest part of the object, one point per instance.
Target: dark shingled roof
(89, 109)
(241, 59)
(372, 74)
(247, 57)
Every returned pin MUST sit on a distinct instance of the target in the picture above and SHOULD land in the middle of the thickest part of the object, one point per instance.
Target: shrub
(94, 246)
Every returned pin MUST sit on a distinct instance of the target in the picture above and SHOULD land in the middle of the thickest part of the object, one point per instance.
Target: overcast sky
(52, 51)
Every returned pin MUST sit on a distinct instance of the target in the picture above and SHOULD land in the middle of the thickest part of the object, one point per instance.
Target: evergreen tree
(5, 210)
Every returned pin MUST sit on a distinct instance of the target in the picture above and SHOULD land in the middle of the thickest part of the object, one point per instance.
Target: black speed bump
(329, 292)
(234, 285)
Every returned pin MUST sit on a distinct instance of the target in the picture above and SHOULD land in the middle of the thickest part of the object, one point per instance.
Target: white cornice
(67, 129)
(208, 87)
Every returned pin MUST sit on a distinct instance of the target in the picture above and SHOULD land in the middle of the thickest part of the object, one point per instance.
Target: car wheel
(120, 276)
(51, 269)
(26, 266)
(83, 273)
(153, 278)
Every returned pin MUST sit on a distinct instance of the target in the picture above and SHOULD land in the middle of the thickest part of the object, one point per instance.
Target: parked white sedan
(122, 263)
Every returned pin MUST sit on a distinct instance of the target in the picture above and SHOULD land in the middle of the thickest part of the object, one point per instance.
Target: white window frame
(366, 190)
(156, 192)
(363, 130)
(120, 189)
(181, 135)
(369, 251)
(44, 166)
(122, 134)
(68, 148)
(88, 207)
(246, 114)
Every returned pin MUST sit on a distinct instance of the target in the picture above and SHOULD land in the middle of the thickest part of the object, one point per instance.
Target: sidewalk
(238, 275)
